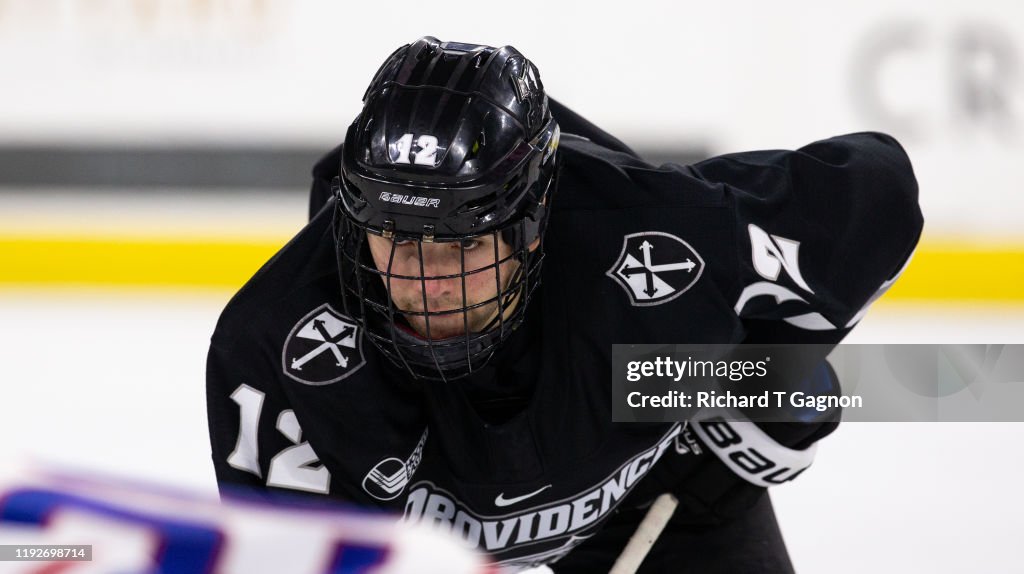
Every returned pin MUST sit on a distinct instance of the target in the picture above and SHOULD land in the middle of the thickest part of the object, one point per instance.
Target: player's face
(446, 258)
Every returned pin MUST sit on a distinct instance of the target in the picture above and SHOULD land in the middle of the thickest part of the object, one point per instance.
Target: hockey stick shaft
(646, 534)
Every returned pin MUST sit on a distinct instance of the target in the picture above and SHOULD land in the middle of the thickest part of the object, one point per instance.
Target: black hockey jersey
(522, 460)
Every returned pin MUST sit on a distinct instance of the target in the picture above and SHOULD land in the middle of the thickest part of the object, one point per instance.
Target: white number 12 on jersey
(290, 468)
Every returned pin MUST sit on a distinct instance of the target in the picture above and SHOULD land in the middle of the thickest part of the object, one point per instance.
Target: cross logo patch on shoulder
(655, 267)
(324, 347)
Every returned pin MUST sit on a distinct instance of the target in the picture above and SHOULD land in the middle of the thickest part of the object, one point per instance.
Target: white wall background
(946, 77)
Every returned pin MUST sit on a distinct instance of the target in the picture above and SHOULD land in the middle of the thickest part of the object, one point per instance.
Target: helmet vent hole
(353, 190)
(484, 201)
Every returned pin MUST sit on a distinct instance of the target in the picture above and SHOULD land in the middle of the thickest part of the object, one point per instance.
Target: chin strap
(450, 353)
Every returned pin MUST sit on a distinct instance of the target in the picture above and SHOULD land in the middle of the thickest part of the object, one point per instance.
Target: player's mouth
(439, 331)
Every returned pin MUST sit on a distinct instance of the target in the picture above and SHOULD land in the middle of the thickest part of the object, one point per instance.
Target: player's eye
(470, 244)
(403, 242)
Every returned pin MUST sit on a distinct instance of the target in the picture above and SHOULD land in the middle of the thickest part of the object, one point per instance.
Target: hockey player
(437, 340)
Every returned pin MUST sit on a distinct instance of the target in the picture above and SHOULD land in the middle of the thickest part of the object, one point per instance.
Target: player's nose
(437, 288)
(441, 272)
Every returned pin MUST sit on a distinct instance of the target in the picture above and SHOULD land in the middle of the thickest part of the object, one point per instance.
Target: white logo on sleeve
(324, 347)
(655, 267)
(770, 254)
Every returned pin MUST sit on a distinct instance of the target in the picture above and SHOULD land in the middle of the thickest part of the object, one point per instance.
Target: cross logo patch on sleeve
(324, 347)
(655, 267)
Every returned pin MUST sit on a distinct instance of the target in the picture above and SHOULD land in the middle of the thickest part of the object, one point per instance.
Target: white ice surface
(913, 497)
(114, 383)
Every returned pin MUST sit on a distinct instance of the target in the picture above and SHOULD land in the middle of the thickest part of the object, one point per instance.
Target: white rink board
(946, 78)
(115, 384)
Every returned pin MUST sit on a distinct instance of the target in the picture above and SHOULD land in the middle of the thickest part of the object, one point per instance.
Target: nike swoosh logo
(502, 501)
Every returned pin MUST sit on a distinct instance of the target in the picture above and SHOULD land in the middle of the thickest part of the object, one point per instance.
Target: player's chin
(439, 326)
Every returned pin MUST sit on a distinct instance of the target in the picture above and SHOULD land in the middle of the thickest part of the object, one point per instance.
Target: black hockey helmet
(455, 142)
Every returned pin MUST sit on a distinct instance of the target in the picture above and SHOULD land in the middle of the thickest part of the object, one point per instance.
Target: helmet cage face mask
(484, 166)
(387, 326)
